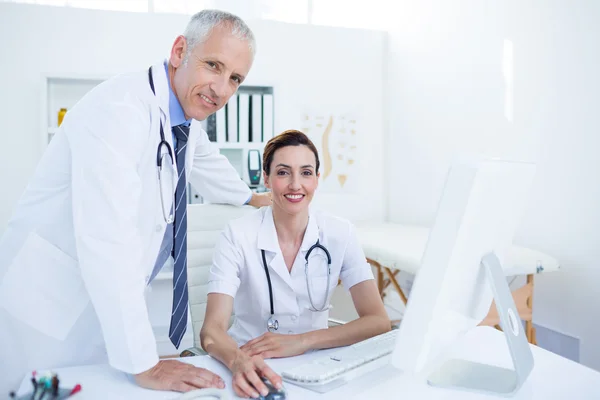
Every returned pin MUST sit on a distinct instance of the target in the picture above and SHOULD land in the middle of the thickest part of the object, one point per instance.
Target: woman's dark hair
(290, 137)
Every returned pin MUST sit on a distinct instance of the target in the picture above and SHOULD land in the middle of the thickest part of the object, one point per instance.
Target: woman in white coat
(84, 241)
(258, 272)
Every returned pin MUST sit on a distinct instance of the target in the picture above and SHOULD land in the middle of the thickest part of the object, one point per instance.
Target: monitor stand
(473, 376)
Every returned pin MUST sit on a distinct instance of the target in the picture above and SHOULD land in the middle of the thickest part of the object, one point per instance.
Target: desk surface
(553, 377)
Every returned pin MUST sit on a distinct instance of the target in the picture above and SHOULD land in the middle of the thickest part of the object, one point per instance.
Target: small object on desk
(75, 390)
(47, 388)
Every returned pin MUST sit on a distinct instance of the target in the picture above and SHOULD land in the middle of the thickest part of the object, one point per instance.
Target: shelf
(76, 78)
(62, 91)
(240, 146)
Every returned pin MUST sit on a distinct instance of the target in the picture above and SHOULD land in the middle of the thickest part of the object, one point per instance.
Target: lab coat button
(294, 317)
(158, 228)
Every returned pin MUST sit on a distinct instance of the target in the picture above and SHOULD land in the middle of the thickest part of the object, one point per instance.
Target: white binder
(268, 121)
(221, 125)
(232, 119)
(244, 114)
(257, 118)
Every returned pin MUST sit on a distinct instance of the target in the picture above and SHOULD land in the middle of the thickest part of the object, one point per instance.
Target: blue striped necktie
(180, 286)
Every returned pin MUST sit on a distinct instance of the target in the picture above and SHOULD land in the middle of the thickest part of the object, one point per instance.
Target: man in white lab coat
(98, 220)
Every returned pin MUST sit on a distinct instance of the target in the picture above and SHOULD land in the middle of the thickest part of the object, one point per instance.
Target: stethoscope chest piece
(272, 324)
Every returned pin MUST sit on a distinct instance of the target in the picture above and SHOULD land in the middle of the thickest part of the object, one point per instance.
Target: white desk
(553, 377)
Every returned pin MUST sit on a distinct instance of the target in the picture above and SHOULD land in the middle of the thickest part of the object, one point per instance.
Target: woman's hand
(247, 372)
(274, 345)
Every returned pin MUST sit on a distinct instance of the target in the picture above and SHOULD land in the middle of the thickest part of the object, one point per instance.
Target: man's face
(212, 74)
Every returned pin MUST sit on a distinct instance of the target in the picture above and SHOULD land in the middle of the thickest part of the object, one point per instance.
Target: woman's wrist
(308, 340)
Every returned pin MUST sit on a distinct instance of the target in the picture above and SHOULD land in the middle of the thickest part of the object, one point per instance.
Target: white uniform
(75, 257)
(238, 271)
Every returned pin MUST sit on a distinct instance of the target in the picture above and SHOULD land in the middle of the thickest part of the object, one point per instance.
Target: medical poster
(336, 137)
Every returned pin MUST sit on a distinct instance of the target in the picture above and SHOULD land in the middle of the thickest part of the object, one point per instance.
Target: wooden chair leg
(380, 283)
(392, 278)
(387, 282)
(383, 283)
(529, 324)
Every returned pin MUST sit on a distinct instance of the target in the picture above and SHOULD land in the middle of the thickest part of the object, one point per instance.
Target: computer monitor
(460, 274)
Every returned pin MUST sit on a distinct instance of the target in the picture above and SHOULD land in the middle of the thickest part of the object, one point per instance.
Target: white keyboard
(335, 369)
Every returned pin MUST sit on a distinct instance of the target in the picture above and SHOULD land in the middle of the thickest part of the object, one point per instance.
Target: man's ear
(178, 51)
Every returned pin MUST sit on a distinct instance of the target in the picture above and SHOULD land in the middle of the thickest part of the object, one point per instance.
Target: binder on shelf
(232, 120)
(256, 129)
(244, 117)
(268, 121)
(221, 125)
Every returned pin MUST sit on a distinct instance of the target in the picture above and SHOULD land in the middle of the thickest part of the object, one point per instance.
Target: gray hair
(202, 23)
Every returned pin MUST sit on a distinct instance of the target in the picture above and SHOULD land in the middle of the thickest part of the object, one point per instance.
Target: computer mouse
(273, 394)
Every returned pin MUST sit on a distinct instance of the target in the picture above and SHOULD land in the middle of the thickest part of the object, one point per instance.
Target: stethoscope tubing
(272, 323)
(159, 161)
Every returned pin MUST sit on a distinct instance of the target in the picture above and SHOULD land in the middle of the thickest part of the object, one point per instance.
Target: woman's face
(293, 178)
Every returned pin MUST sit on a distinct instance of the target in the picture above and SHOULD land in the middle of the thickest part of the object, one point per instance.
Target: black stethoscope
(163, 158)
(272, 322)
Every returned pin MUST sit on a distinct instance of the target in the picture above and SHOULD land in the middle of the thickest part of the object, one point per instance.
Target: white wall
(330, 71)
(311, 68)
(446, 95)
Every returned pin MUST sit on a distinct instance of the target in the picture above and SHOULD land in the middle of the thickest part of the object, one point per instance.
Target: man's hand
(274, 345)
(178, 376)
(259, 200)
(247, 372)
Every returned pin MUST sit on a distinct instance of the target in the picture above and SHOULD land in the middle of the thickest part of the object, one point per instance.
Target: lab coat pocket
(43, 288)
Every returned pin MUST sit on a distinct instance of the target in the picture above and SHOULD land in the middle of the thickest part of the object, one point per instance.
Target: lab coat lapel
(311, 235)
(267, 240)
